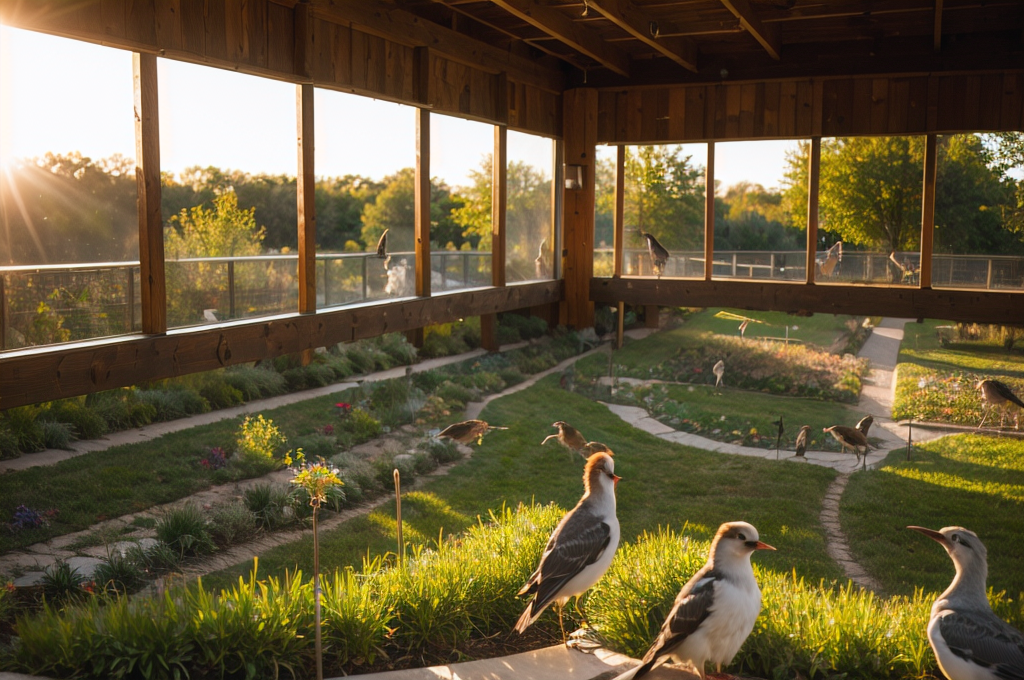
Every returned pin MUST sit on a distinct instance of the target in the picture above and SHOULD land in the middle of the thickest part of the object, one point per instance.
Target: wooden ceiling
(636, 42)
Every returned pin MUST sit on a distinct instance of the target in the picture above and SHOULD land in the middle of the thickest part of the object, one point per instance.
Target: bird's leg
(565, 641)
(984, 417)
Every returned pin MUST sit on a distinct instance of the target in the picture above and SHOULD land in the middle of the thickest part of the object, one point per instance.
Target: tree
(474, 215)
(223, 231)
(394, 208)
(663, 195)
(750, 217)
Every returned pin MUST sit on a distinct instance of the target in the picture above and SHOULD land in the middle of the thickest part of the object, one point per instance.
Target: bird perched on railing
(659, 254)
(719, 371)
(865, 424)
(468, 431)
(716, 609)
(568, 436)
(581, 548)
(850, 438)
(801, 440)
(833, 257)
(382, 245)
(970, 642)
(995, 394)
(540, 263)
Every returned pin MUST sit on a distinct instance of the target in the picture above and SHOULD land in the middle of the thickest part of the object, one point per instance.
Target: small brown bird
(382, 245)
(468, 431)
(569, 437)
(595, 447)
(659, 254)
(865, 424)
(995, 394)
(801, 440)
(850, 438)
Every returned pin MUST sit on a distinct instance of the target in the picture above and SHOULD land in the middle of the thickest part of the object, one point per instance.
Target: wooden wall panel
(532, 109)
(462, 90)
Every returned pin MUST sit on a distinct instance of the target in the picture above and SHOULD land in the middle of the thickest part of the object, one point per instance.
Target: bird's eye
(955, 538)
(742, 537)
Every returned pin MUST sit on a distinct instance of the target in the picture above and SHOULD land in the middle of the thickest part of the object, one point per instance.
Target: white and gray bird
(995, 394)
(716, 609)
(864, 424)
(659, 254)
(970, 642)
(801, 441)
(719, 371)
(581, 548)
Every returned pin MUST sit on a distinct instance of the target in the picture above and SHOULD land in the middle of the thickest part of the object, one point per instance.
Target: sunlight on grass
(1008, 491)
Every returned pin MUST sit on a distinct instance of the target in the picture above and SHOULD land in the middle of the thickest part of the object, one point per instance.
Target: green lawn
(921, 346)
(663, 485)
(971, 481)
(819, 329)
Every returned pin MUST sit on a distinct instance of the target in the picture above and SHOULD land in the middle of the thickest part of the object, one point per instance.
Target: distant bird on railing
(468, 431)
(540, 264)
(569, 437)
(382, 245)
(801, 441)
(659, 254)
(719, 371)
(998, 395)
(833, 256)
(850, 438)
(865, 424)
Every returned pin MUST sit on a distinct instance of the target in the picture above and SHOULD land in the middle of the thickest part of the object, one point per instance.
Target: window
(529, 212)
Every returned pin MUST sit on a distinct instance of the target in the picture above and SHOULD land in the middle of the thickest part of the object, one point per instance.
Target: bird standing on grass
(865, 424)
(596, 447)
(998, 395)
(468, 431)
(970, 642)
(850, 438)
(716, 609)
(719, 371)
(659, 254)
(568, 436)
(801, 441)
(581, 548)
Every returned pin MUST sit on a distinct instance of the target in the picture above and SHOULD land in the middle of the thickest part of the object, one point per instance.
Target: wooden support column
(928, 211)
(147, 175)
(619, 233)
(813, 178)
(709, 213)
(306, 197)
(499, 199)
(579, 114)
(422, 214)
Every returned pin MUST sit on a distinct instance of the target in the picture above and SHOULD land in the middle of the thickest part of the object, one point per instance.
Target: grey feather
(983, 638)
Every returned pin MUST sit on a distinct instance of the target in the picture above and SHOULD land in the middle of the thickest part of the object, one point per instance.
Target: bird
(801, 440)
(540, 264)
(596, 447)
(850, 438)
(716, 609)
(468, 431)
(865, 424)
(743, 327)
(999, 395)
(778, 442)
(382, 245)
(568, 436)
(833, 257)
(970, 642)
(581, 548)
(659, 254)
(719, 371)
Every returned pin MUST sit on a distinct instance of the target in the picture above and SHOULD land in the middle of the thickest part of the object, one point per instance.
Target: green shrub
(174, 402)
(384, 470)
(119, 575)
(57, 435)
(185, 531)
(309, 377)
(354, 493)
(85, 423)
(220, 394)
(442, 451)
(121, 409)
(267, 504)
(339, 365)
(360, 357)
(259, 441)
(8, 443)
(511, 376)
(61, 583)
(255, 383)
(232, 523)
(22, 424)
(155, 559)
(423, 464)
(316, 445)
(507, 335)
(361, 425)
(398, 348)
(454, 393)
(363, 475)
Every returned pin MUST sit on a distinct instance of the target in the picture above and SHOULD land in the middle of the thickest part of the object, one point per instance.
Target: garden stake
(398, 515)
(910, 435)
(316, 598)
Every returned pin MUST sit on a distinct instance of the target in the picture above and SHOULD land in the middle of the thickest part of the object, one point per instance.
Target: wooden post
(306, 197)
(709, 213)
(499, 198)
(422, 213)
(147, 175)
(619, 241)
(928, 212)
(579, 114)
(813, 178)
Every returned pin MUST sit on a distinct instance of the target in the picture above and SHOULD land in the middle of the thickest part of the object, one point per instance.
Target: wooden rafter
(938, 26)
(577, 36)
(626, 15)
(766, 34)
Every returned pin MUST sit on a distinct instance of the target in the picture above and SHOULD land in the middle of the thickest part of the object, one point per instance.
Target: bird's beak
(934, 535)
(762, 546)
(615, 480)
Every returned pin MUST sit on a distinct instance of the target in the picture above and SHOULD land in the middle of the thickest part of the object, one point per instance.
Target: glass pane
(461, 179)
(869, 210)
(978, 220)
(365, 163)
(604, 210)
(761, 210)
(530, 235)
(663, 210)
(69, 228)
(228, 154)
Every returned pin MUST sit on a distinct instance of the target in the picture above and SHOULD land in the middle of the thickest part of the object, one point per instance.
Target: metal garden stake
(398, 515)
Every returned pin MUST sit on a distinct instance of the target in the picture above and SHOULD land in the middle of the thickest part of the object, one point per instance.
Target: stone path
(836, 546)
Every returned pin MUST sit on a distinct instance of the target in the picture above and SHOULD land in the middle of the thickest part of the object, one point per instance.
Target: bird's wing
(457, 430)
(1006, 393)
(382, 244)
(578, 542)
(987, 640)
(692, 606)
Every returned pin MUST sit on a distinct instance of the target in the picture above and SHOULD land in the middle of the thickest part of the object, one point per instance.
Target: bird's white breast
(722, 633)
(592, 573)
(953, 666)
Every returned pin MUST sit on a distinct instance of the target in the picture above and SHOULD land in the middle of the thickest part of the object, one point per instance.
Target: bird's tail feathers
(527, 617)
(1015, 399)
(496, 427)
(627, 675)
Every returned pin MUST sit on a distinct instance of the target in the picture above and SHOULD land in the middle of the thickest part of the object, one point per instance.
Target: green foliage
(232, 523)
(255, 383)
(442, 451)
(8, 443)
(173, 401)
(447, 339)
(185, 531)
(57, 435)
(259, 440)
(361, 425)
(121, 409)
(397, 347)
(393, 209)
(316, 445)
(220, 394)
(224, 230)
(61, 583)
(308, 377)
(664, 195)
(21, 423)
(119, 575)
(85, 422)
(454, 393)
(267, 503)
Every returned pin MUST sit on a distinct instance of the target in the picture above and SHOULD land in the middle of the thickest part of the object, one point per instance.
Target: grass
(819, 329)
(968, 480)
(663, 485)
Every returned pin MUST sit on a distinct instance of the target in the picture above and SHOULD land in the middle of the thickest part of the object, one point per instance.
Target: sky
(65, 95)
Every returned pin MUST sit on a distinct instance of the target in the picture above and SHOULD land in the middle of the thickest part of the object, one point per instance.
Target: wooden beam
(499, 199)
(619, 233)
(306, 193)
(626, 15)
(709, 213)
(43, 374)
(766, 34)
(421, 208)
(796, 298)
(147, 175)
(396, 24)
(303, 35)
(937, 46)
(928, 211)
(579, 111)
(577, 36)
(813, 178)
